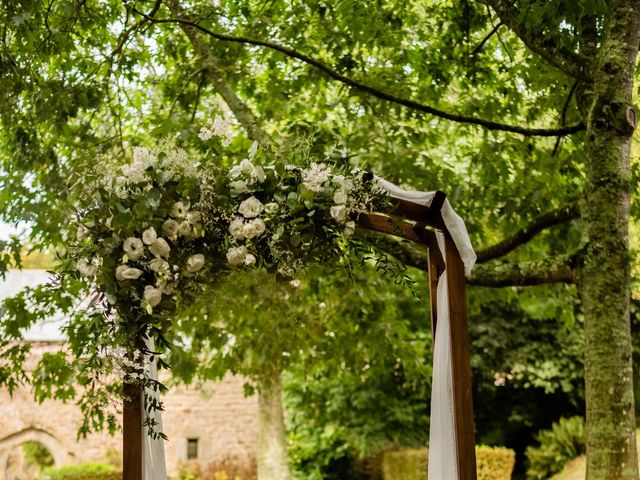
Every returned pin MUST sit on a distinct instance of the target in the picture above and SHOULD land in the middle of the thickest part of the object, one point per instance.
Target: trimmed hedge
(493, 463)
(83, 471)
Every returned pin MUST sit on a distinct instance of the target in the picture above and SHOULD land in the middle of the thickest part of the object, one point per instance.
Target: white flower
(142, 156)
(349, 228)
(184, 229)
(152, 295)
(124, 272)
(170, 228)
(236, 228)
(314, 176)
(133, 248)
(178, 210)
(83, 232)
(160, 248)
(339, 213)
(251, 207)
(85, 268)
(271, 208)
(249, 259)
(253, 228)
(258, 174)
(205, 134)
(149, 236)
(237, 255)
(340, 197)
(245, 167)
(159, 265)
(195, 263)
(239, 186)
(194, 217)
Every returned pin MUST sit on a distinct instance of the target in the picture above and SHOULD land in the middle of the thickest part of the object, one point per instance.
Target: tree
(447, 94)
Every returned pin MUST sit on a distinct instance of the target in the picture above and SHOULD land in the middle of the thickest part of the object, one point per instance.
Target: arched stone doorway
(32, 434)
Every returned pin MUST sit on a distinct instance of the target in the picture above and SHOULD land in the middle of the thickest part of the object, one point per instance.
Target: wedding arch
(150, 232)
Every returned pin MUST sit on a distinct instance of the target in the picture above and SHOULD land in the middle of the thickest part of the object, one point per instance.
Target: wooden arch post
(417, 223)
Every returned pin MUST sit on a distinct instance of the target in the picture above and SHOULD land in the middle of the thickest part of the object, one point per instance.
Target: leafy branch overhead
(364, 87)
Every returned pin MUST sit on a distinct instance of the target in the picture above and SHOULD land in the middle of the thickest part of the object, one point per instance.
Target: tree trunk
(273, 462)
(604, 276)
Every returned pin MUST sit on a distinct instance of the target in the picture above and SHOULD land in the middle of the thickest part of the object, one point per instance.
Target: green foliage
(563, 442)
(492, 463)
(37, 454)
(83, 471)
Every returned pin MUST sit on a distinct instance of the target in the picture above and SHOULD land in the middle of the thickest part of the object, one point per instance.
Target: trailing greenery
(557, 446)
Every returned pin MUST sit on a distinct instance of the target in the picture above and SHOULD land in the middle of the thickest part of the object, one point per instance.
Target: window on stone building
(192, 448)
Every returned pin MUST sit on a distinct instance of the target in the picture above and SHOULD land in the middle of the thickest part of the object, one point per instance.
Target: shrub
(83, 471)
(493, 463)
(562, 443)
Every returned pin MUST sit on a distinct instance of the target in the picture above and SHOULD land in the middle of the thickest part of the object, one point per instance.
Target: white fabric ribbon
(153, 465)
(443, 455)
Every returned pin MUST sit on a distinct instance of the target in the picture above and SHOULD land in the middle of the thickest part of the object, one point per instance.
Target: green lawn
(577, 468)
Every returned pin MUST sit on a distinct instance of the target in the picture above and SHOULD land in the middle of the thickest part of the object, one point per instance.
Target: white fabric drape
(443, 455)
(153, 455)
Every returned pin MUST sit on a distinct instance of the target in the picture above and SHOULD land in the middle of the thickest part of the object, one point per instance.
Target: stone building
(209, 425)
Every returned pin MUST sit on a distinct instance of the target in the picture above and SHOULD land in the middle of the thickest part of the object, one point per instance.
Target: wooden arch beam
(418, 223)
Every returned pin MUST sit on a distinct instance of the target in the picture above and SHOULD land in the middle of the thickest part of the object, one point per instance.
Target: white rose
(178, 210)
(258, 174)
(239, 186)
(160, 248)
(152, 295)
(149, 236)
(124, 272)
(271, 208)
(194, 217)
(340, 197)
(85, 268)
(159, 265)
(249, 259)
(236, 228)
(83, 232)
(253, 228)
(339, 213)
(195, 263)
(184, 229)
(251, 207)
(133, 248)
(349, 228)
(237, 255)
(170, 228)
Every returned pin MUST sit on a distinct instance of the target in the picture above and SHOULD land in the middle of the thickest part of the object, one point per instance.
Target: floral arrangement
(150, 233)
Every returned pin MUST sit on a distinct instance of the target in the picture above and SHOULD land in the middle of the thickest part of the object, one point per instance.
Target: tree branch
(211, 64)
(488, 124)
(486, 39)
(566, 60)
(541, 222)
(553, 270)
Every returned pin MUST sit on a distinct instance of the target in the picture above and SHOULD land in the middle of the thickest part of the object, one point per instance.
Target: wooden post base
(132, 418)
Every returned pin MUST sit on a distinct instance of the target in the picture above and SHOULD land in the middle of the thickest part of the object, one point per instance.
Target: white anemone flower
(133, 247)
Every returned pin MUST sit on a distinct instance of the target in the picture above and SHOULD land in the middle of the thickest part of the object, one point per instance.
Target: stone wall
(215, 415)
